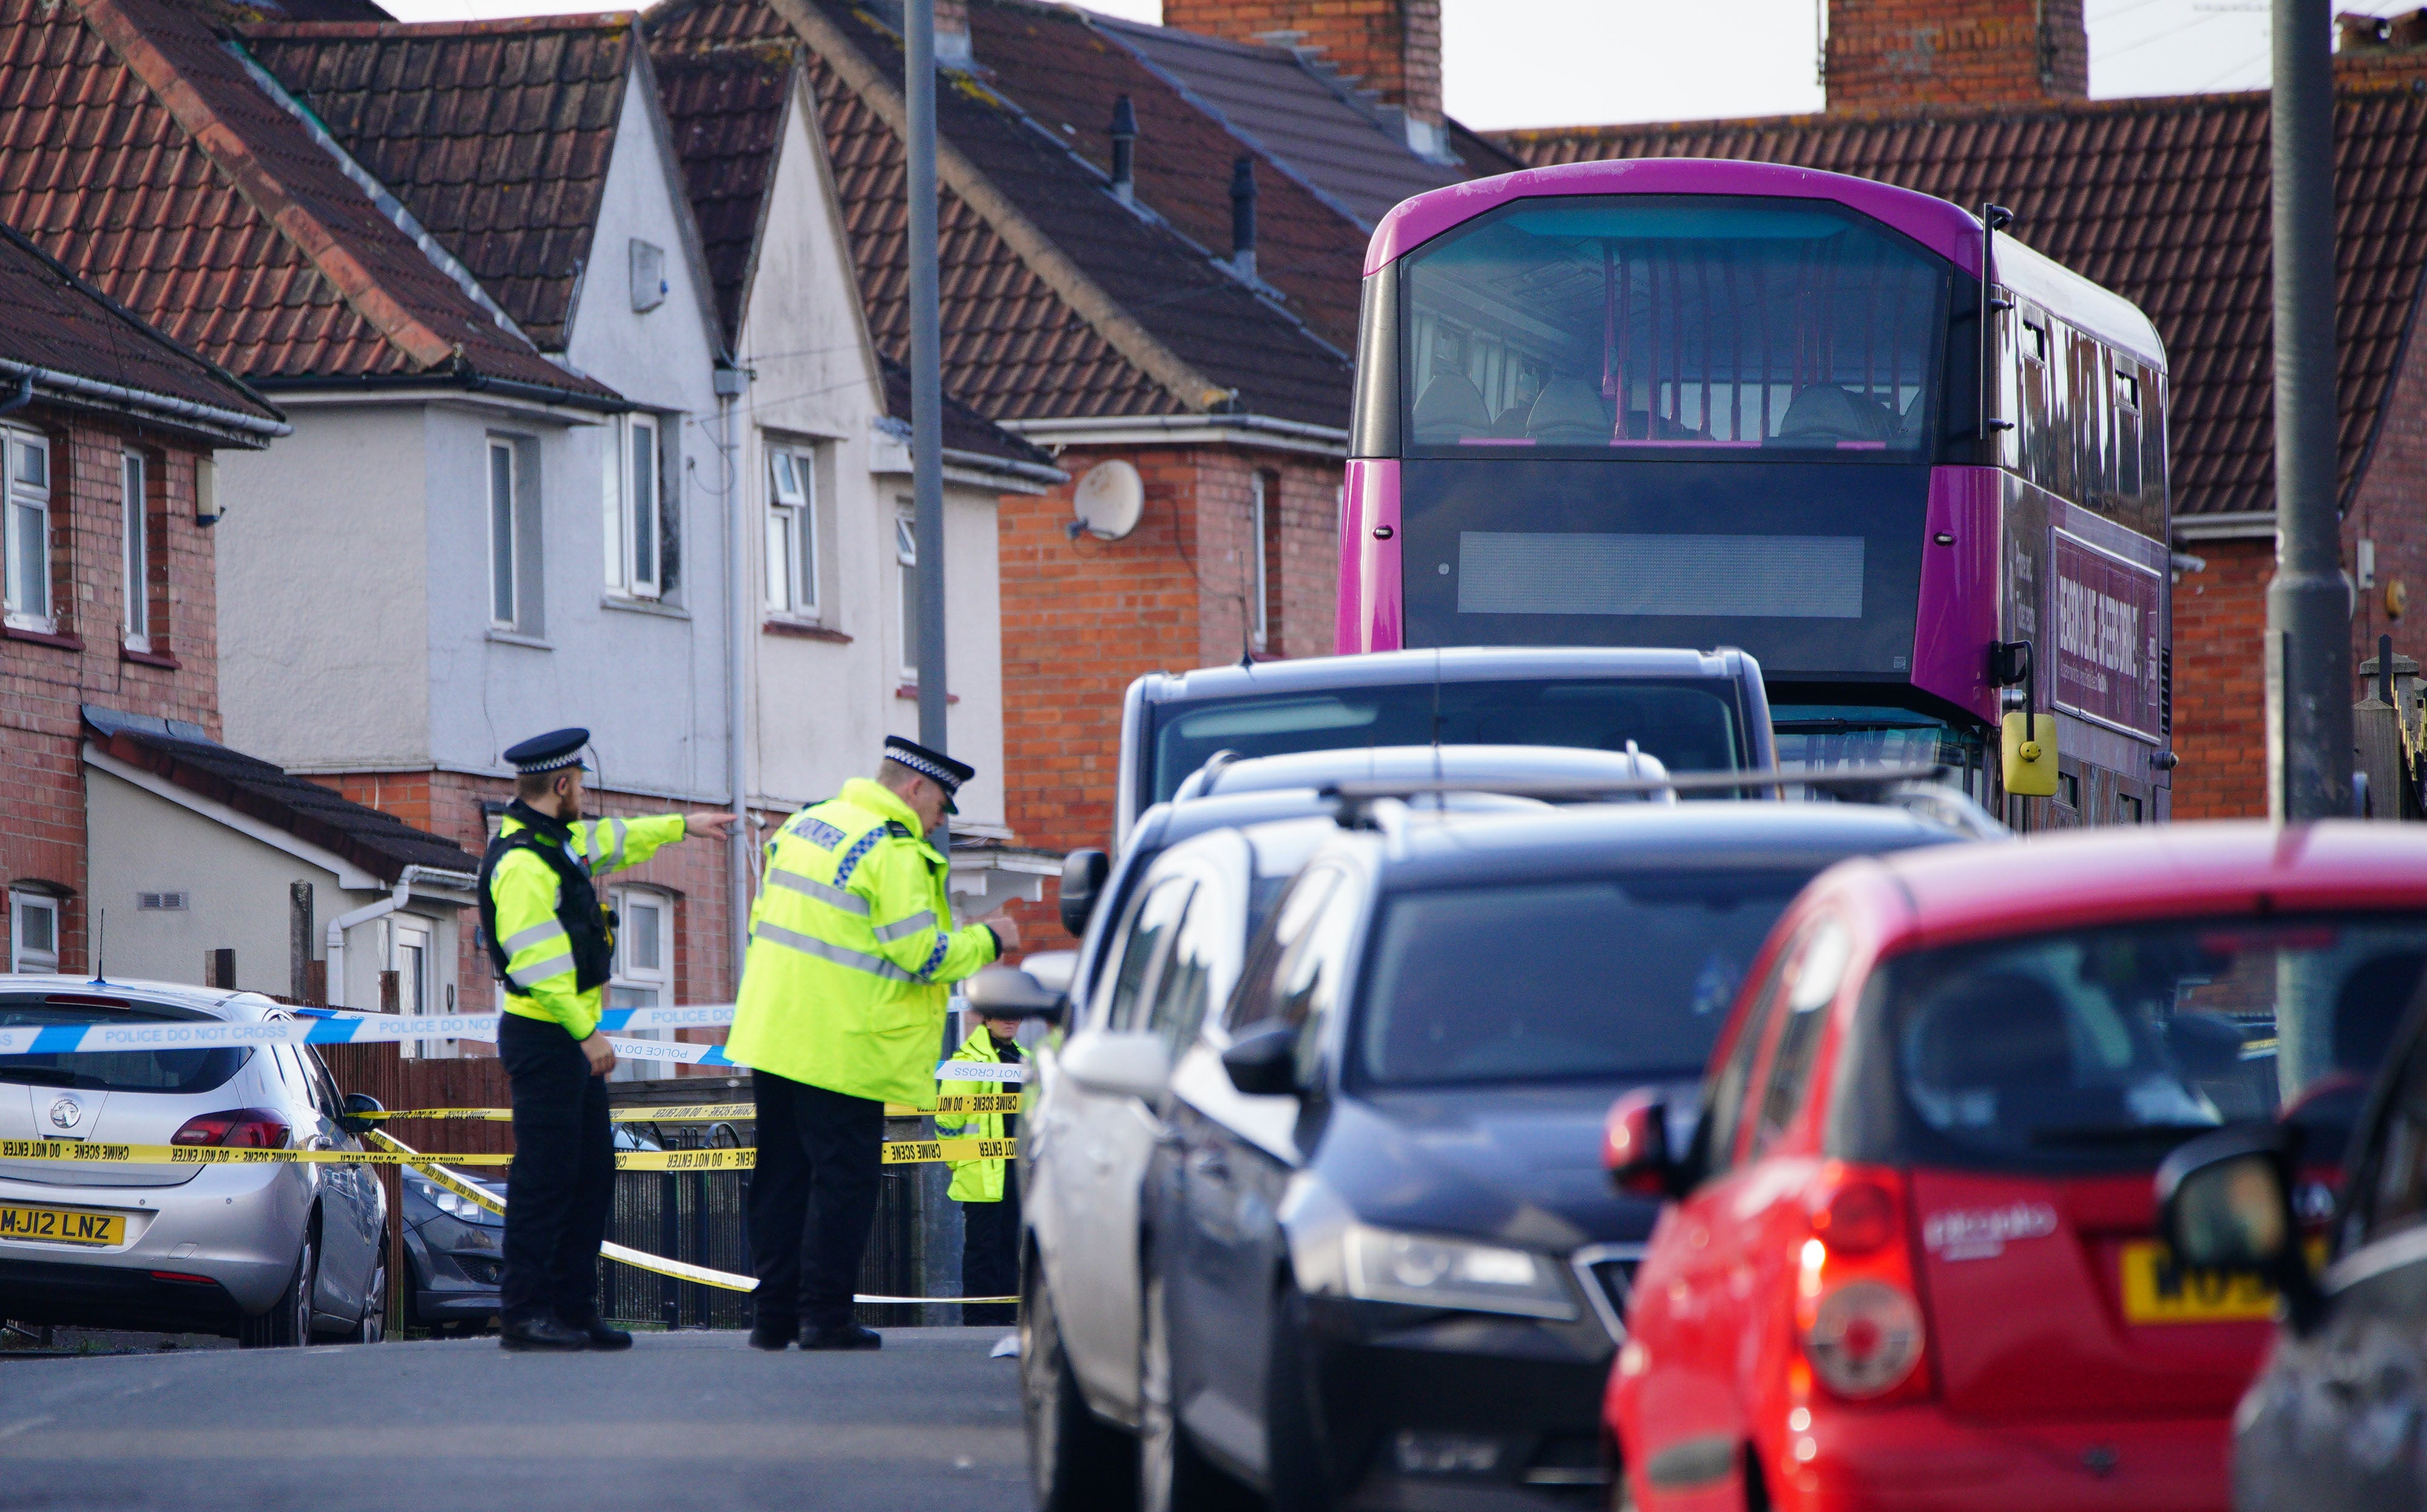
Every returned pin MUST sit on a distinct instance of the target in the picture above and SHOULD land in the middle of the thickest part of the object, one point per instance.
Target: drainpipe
(24, 396)
(394, 900)
(731, 381)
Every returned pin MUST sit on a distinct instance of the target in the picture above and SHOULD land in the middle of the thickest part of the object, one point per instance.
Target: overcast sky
(1569, 62)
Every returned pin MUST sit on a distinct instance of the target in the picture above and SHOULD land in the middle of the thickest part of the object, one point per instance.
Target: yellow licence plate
(2155, 1290)
(62, 1226)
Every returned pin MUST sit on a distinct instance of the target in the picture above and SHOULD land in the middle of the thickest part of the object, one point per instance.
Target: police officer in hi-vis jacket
(841, 1010)
(553, 945)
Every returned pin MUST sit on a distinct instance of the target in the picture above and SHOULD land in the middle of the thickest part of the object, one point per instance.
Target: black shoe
(602, 1336)
(848, 1336)
(775, 1335)
(541, 1333)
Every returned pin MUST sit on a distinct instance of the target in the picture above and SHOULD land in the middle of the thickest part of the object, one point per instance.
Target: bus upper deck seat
(1569, 412)
(1449, 409)
(1823, 413)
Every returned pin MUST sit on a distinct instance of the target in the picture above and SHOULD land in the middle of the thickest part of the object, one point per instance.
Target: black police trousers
(812, 1200)
(563, 1183)
(990, 1255)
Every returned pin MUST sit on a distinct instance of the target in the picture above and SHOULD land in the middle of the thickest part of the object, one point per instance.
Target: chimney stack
(1243, 217)
(1391, 49)
(1886, 55)
(1124, 134)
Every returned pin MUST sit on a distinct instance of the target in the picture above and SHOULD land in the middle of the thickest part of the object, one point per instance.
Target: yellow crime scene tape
(949, 1105)
(78, 1151)
(638, 1258)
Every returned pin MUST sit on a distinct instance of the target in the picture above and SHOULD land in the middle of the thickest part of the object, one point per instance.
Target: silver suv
(270, 1255)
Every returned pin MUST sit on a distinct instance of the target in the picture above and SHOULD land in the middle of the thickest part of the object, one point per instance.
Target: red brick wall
(2219, 680)
(1082, 619)
(1885, 53)
(693, 873)
(1391, 47)
(42, 682)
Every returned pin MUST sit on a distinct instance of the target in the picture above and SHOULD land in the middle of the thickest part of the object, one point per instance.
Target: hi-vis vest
(976, 1181)
(851, 947)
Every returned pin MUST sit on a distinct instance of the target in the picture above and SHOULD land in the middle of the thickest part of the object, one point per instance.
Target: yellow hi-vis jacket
(976, 1181)
(852, 945)
(539, 970)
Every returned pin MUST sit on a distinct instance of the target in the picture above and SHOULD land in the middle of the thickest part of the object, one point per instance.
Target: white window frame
(1259, 525)
(27, 499)
(135, 477)
(628, 977)
(906, 558)
(792, 532)
(635, 559)
(20, 960)
(505, 533)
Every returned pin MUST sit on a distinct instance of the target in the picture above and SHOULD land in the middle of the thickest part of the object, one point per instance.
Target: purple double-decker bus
(1697, 403)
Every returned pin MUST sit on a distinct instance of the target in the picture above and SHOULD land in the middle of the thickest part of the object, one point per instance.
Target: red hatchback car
(1912, 1256)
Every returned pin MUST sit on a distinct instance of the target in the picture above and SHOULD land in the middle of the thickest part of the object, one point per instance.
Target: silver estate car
(270, 1255)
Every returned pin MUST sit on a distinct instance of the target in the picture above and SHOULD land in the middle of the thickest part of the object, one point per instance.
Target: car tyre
(1292, 1434)
(1076, 1462)
(288, 1322)
(373, 1326)
(1174, 1475)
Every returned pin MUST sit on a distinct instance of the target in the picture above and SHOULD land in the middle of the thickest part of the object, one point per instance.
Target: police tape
(950, 1104)
(638, 1258)
(86, 1151)
(325, 1027)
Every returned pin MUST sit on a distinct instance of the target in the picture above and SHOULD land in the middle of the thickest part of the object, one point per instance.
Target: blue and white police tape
(325, 1027)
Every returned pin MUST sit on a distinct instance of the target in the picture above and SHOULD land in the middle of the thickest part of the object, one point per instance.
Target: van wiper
(2120, 1133)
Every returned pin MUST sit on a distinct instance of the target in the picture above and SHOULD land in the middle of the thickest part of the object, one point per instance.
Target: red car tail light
(245, 1128)
(1857, 1308)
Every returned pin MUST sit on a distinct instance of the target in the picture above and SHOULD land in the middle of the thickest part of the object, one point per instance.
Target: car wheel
(1173, 1474)
(1076, 1463)
(1292, 1450)
(373, 1326)
(288, 1322)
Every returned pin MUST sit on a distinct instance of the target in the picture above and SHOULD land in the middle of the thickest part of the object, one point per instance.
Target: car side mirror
(2224, 1203)
(1007, 992)
(1118, 1064)
(1262, 1062)
(1083, 883)
(356, 1105)
(1635, 1146)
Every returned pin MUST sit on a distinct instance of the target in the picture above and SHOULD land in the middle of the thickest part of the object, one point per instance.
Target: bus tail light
(1858, 1311)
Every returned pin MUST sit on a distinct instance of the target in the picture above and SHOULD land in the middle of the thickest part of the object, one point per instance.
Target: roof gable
(727, 107)
(496, 134)
(136, 148)
(2165, 201)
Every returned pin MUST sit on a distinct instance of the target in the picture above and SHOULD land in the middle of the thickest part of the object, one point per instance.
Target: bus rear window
(1643, 325)
(1691, 726)
(195, 1070)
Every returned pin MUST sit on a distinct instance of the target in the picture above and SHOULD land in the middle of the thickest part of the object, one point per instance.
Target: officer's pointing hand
(707, 822)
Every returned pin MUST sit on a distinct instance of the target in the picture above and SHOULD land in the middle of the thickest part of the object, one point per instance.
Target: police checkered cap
(552, 752)
(948, 773)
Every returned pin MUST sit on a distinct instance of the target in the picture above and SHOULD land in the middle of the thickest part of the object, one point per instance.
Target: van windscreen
(2105, 1048)
(1690, 724)
(195, 1070)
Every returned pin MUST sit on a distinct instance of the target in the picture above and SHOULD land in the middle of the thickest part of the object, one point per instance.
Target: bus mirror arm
(2027, 737)
(1993, 219)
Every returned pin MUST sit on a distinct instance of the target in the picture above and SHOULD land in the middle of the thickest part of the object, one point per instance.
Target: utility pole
(926, 372)
(2309, 603)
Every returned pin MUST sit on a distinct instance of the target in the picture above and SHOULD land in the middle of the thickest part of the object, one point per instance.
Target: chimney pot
(1243, 216)
(1124, 132)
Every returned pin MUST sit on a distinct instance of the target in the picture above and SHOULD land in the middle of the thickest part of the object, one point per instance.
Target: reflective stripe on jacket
(851, 947)
(540, 980)
(975, 1180)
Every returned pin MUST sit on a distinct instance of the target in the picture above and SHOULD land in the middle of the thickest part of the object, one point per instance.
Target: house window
(1265, 549)
(634, 483)
(643, 967)
(505, 534)
(27, 543)
(33, 933)
(793, 534)
(138, 555)
(905, 555)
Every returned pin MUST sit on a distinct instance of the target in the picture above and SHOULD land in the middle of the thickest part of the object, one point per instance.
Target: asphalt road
(693, 1421)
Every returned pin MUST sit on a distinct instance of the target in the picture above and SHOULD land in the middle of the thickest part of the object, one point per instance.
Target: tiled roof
(378, 842)
(1294, 115)
(964, 429)
(494, 134)
(2164, 201)
(1022, 340)
(136, 148)
(51, 318)
(726, 107)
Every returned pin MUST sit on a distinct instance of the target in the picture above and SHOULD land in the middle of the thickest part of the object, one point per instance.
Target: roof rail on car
(1853, 784)
(1200, 783)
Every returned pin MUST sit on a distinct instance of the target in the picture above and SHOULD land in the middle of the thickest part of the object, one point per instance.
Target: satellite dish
(1109, 500)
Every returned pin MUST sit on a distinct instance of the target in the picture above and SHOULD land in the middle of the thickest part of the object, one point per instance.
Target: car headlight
(462, 1209)
(1427, 1271)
